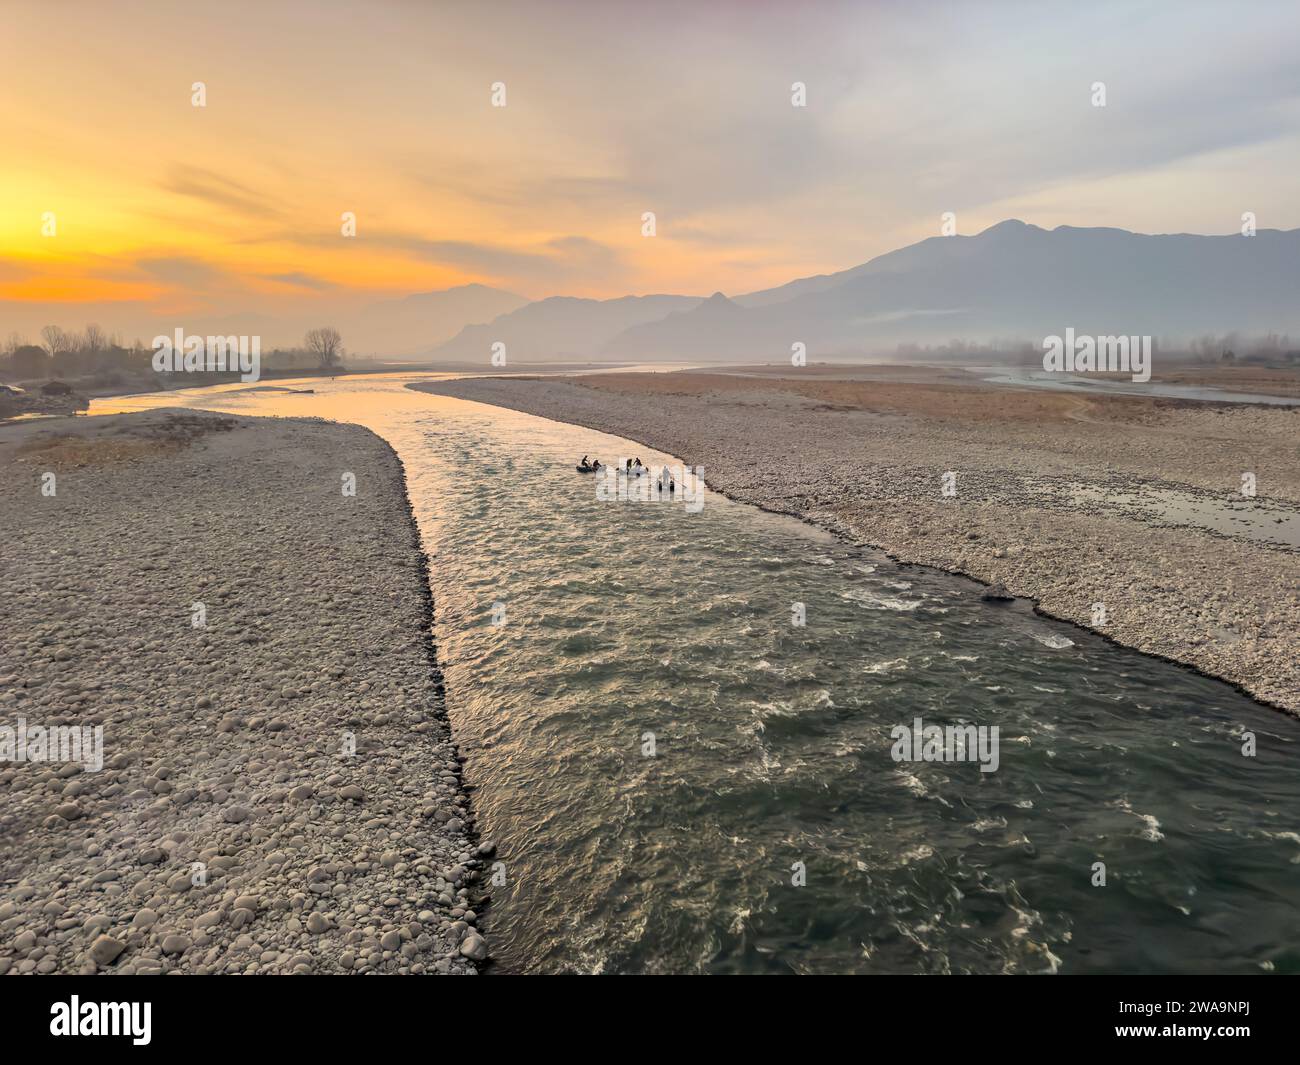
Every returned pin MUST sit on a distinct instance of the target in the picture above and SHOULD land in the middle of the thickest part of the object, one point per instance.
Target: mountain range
(1010, 281)
(1013, 280)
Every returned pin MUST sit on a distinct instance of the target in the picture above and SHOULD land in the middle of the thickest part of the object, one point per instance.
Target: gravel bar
(278, 788)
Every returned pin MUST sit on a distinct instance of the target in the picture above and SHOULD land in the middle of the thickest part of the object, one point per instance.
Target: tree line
(59, 353)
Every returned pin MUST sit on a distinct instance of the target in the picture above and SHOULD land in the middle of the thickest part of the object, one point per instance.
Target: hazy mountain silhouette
(1012, 280)
(683, 330)
(560, 327)
(417, 324)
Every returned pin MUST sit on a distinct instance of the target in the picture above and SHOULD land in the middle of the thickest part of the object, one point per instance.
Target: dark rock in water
(997, 593)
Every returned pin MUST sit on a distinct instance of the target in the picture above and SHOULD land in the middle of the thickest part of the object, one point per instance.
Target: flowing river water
(577, 635)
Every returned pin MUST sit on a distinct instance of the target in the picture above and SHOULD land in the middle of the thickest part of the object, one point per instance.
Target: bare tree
(326, 345)
(12, 344)
(54, 340)
(94, 340)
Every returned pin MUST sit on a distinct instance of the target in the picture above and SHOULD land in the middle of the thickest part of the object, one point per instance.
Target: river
(681, 778)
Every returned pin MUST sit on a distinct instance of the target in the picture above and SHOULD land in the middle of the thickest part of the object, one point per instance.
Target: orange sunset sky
(384, 109)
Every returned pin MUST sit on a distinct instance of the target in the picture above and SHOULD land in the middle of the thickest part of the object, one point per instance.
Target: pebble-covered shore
(279, 791)
(1044, 492)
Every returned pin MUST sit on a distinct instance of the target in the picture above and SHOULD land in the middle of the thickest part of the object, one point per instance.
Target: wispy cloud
(183, 271)
(301, 280)
(219, 191)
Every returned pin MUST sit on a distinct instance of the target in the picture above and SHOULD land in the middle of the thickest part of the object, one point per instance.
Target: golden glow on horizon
(71, 289)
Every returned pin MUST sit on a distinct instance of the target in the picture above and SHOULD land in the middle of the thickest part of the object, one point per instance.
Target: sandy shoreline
(1049, 492)
(231, 828)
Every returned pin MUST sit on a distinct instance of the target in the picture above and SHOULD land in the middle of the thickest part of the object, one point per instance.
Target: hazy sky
(612, 109)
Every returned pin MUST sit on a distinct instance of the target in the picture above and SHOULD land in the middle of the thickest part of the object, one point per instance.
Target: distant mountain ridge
(1011, 280)
(415, 324)
(560, 327)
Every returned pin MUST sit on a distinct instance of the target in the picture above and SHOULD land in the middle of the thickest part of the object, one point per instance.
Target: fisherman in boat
(584, 461)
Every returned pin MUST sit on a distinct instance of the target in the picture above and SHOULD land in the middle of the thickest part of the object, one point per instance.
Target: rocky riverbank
(279, 790)
(1123, 514)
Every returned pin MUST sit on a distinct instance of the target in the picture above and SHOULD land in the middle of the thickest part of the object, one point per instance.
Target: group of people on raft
(635, 468)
